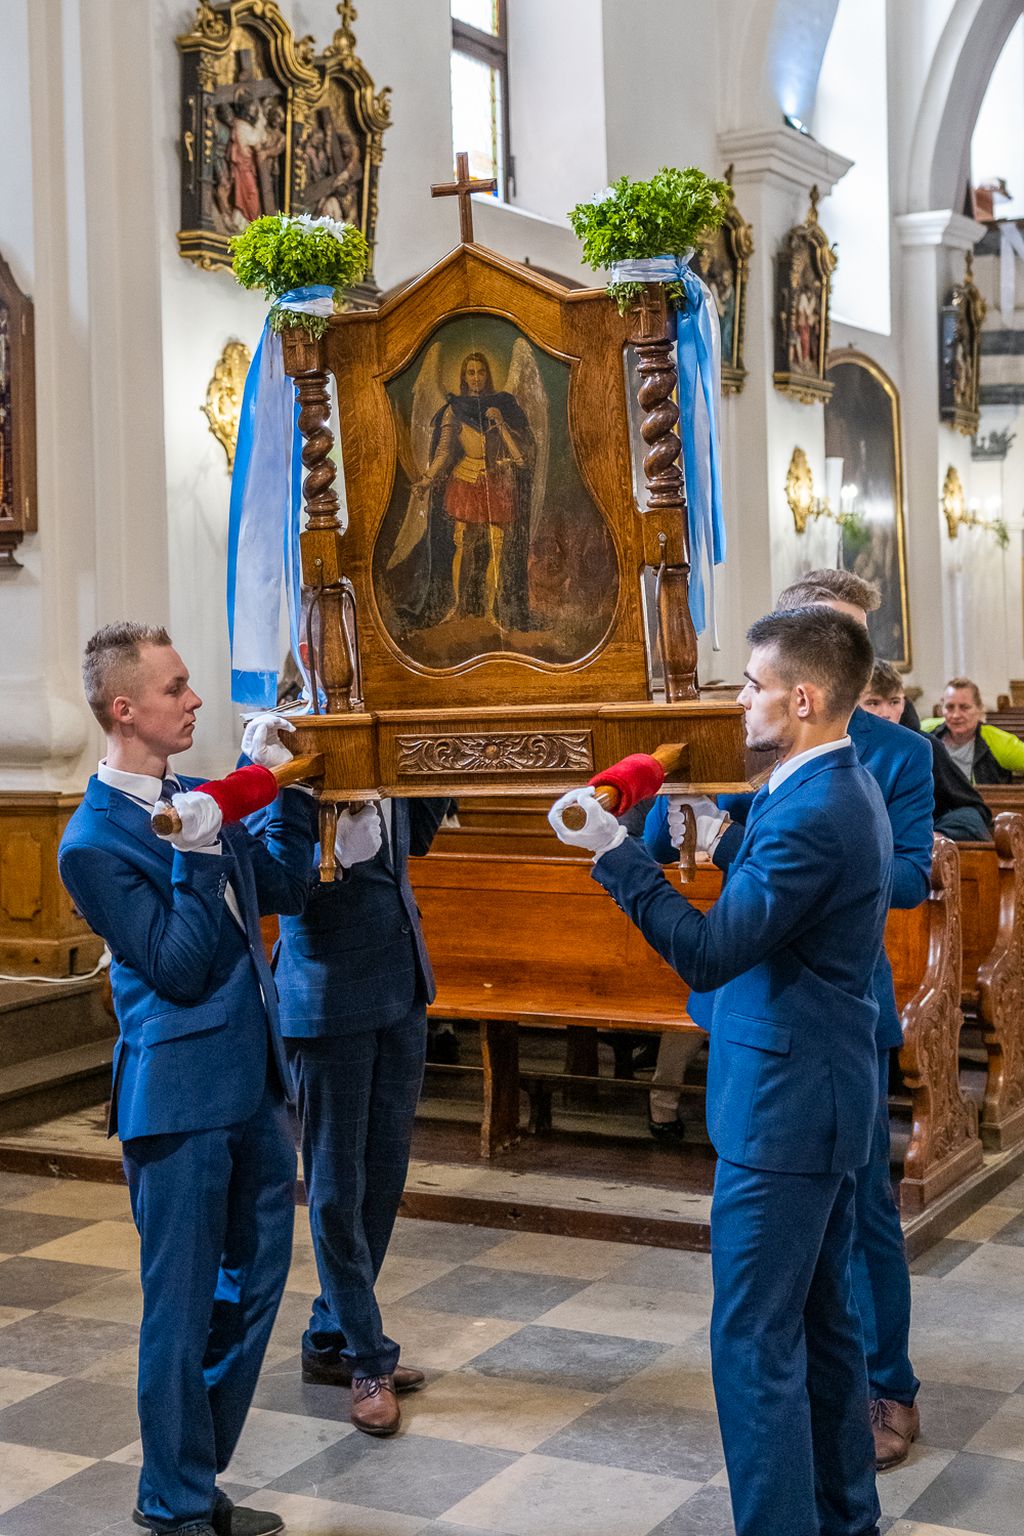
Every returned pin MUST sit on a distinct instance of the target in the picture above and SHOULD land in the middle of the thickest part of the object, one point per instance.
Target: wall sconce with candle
(959, 513)
(804, 504)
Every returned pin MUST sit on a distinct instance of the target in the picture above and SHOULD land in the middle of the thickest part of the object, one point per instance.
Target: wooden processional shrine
(506, 610)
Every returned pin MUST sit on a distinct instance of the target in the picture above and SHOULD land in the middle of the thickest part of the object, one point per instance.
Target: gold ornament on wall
(223, 408)
(803, 295)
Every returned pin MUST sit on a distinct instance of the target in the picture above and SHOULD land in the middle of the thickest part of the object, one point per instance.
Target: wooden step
(55, 1084)
(39, 1019)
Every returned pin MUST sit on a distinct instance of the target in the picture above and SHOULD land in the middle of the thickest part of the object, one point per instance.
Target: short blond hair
(966, 682)
(828, 586)
(111, 657)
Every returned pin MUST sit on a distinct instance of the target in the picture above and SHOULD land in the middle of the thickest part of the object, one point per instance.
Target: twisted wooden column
(321, 542)
(665, 491)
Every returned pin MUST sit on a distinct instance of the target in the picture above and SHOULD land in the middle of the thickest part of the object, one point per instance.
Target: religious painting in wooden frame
(863, 429)
(18, 514)
(803, 291)
(483, 612)
(269, 126)
(724, 263)
(960, 354)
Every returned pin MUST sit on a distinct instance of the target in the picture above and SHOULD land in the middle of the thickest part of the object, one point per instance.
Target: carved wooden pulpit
(480, 624)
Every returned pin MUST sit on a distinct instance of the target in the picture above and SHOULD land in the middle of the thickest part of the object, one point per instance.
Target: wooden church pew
(925, 947)
(992, 886)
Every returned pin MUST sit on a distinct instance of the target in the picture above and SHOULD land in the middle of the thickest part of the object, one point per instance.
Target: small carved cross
(348, 14)
(463, 188)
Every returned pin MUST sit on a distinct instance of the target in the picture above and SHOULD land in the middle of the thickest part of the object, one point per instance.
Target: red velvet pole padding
(635, 778)
(242, 792)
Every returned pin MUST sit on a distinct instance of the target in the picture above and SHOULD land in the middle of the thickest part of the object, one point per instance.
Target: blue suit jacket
(194, 996)
(789, 950)
(355, 958)
(893, 756)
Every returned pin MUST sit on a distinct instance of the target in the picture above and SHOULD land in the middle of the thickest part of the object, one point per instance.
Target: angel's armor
(478, 491)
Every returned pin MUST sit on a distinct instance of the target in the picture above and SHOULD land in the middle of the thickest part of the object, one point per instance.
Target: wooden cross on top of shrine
(463, 188)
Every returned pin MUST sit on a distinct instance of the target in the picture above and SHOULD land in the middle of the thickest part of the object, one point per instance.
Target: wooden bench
(992, 890)
(925, 948)
(533, 940)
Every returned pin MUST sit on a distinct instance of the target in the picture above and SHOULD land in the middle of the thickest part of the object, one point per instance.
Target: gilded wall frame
(863, 427)
(724, 264)
(803, 295)
(18, 510)
(960, 354)
(270, 126)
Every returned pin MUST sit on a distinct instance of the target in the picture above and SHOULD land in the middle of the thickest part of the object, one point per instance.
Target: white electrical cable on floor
(57, 981)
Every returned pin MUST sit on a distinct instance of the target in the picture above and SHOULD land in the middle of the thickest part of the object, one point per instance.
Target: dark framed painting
(17, 417)
(724, 263)
(270, 126)
(803, 296)
(960, 354)
(491, 542)
(863, 429)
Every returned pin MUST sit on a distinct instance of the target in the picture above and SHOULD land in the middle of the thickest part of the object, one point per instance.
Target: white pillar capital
(938, 227)
(793, 161)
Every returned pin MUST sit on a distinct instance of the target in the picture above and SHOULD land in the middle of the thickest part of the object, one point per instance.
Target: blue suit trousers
(881, 1280)
(214, 1210)
(787, 1355)
(357, 1096)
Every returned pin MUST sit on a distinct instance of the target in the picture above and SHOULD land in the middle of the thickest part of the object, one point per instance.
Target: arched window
(851, 116)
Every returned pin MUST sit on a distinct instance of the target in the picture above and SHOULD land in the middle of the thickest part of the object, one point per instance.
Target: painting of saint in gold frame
(723, 263)
(803, 293)
(863, 430)
(491, 543)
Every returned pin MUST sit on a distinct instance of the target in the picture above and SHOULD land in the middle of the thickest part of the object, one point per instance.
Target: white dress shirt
(146, 790)
(782, 771)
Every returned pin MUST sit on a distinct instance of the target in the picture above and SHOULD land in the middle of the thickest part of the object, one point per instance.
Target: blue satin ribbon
(266, 506)
(698, 361)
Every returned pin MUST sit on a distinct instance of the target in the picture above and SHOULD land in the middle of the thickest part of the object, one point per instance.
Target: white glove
(261, 741)
(359, 836)
(710, 820)
(601, 831)
(200, 822)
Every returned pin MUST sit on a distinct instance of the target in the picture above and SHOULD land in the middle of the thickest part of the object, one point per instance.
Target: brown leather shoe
(375, 1407)
(339, 1374)
(895, 1427)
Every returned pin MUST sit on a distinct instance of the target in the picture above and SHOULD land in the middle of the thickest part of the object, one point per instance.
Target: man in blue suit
(354, 979)
(198, 1092)
(789, 950)
(903, 771)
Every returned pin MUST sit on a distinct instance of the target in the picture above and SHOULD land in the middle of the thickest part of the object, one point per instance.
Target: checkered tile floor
(569, 1392)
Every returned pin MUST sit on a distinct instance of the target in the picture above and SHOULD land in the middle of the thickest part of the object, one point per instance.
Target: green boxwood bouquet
(667, 216)
(279, 254)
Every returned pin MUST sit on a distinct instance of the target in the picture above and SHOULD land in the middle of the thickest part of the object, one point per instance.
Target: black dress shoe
(227, 1520)
(667, 1130)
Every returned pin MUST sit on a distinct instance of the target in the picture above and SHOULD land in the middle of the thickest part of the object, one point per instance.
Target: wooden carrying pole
(669, 757)
(165, 820)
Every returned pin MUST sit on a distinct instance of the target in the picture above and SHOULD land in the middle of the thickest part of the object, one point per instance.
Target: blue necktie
(169, 788)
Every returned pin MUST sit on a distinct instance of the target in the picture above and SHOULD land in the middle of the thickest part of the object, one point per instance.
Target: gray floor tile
(666, 1269)
(44, 1282)
(86, 1418)
(87, 1503)
(1013, 1195)
(950, 1415)
(25, 1229)
(15, 1186)
(409, 1474)
(281, 1388)
(942, 1257)
(974, 1493)
(587, 1362)
(442, 1240)
(61, 1346)
(677, 1442)
(1012, 1233)
(475, 1291)
(708, 1513)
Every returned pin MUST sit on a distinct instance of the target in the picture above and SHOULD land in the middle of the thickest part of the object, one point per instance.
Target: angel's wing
(524, 381)
(414, 453)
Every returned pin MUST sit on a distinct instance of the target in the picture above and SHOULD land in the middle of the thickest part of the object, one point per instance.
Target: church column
(938, 568)
(774, 170)
(82, 131)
